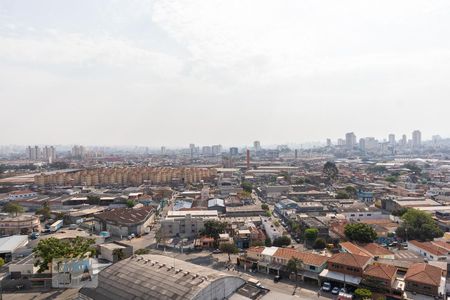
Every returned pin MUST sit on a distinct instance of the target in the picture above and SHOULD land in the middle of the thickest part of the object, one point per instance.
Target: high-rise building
(350, 140)
(257, 145)
(33, 153)
(78, 152)
(192, 149)
(163, 150)
(234, 151)
(341, 142)
(416, 139)
(206, 150)
(49, 154)
(328, 142)
(362, 144)
(392, 139)
(404, 141)
(216, 149)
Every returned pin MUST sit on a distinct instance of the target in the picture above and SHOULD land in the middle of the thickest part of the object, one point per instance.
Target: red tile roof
(431, 248)
(349, 259)
(257, 250)
(424, 273)
(381, 271)
(305, 257)
(442, 244)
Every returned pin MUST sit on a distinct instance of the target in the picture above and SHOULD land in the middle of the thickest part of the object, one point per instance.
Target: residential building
(380, 277)
(370, 249)
(346, 268)
(22, 194)
(425, 279)
(21, 224)
(429, 250)
(350, 140)
(185, 224)
(416, 139)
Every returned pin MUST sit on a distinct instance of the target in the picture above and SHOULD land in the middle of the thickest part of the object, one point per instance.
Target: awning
(344, 278)
(309, 274)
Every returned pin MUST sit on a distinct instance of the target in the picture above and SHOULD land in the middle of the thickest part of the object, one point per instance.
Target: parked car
(217, 251)
(335, 290)
(343, 290)
(326, 287)
(277, 278)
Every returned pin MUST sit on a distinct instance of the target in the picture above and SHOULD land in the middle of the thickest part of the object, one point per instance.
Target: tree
(360, 232)
(213, 228)
(130, 203)
(247, 186)
(2, 262)
(330, 170)
(282, 241)
(418, 225)
(142, 251)
(44, 211)
(351, 191)
(363, 294)
(13, 208)
(311, 234)
(377, 169)
(264, 206)
(119, 254)
(413, 168)
(342, 195)
(93, 200)
(391, 179)
(293, 266)
(399, 212)
(52, 248)
(319, 244)
(229, 249)
(268, 242)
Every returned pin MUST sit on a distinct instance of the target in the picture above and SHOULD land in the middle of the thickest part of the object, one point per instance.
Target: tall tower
(416, 139)
(350, 140)
(248, 159)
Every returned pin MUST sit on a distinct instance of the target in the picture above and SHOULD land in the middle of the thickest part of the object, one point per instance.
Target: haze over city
(176, 72)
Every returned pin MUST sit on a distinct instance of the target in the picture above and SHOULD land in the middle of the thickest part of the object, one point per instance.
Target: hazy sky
(177, 72)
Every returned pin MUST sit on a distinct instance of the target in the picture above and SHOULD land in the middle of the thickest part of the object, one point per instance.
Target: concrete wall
(220, 288)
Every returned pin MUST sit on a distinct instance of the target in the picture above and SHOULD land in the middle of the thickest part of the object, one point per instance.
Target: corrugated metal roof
(11, 243)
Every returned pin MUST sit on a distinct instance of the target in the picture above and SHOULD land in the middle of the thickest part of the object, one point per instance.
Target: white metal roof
(11, 243)
(270, 251)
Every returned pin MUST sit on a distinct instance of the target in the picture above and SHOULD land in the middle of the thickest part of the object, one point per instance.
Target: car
(217, 251)
(335, 290)
(277, 278)
(343, 290)
(326, 287)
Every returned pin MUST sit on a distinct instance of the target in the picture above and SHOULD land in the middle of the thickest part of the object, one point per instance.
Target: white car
(326, 287)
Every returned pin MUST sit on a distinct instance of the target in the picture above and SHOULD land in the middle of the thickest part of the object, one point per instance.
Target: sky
(165, 72)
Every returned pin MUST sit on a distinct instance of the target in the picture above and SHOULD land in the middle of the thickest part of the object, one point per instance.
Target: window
(312, 268)
(369, 215)
(352, 215)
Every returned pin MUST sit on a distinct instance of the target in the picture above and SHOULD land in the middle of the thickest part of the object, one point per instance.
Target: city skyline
(168, 73)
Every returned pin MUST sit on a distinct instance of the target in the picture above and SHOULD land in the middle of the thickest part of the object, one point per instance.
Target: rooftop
(158, 277)
(424, 273)
(11, 243)
(126, 215)
(348, 259)
(381, 271)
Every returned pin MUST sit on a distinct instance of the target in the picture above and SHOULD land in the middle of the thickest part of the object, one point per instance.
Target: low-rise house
(21, 224)
(217, 204)
(125, 221)
(425, 279)
(346, 268)
(370, 249)
(429, 250)
(22, 194)
(186, 224)
(380, 277)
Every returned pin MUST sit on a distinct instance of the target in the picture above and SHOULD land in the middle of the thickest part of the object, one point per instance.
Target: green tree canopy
(319, 244)
(391, 179)
(264, 206)
(330, 170)
(282, 241)
(377, 169)
(418, 225)
(213, 228)
(44, 211)
(311, 234)
(247, 186)
(51, 248)
(142, 251)
(229, 249)
(130, 203)
(268, 242)
(342, 195)
(351, 191)
(2, 262)
(93, 200)
(12, 208)
(413, 168)
(119, 254)
(293, 266)
(360, 232)
(363, 294)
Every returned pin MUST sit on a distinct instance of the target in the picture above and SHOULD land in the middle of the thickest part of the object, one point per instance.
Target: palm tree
(293, 266)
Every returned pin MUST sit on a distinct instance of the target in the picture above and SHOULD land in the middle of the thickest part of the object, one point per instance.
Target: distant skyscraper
(392, 139)
(257, 145)
(234, 151)
(49, 154)
(328, 142)
(341, 142)
(78, 152)
(163, 150)
(206, 150)
(404, 140)
(216, 149)
(33, 152)
(416, 139)
(350, 140)
(362, 144)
